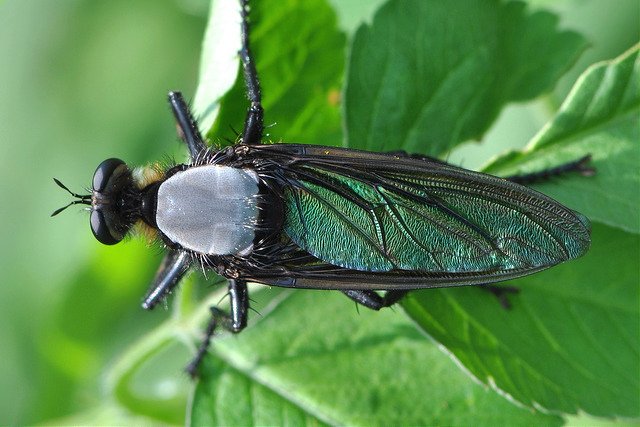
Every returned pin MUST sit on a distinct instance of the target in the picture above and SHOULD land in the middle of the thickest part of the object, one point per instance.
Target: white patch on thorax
(210, 209)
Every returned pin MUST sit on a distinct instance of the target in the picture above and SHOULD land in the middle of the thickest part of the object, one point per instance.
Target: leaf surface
(571, 330)
(600, 117)
(427, 75)
(312, 358)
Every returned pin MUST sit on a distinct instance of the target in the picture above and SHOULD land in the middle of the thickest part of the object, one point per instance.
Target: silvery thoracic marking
(210, 209)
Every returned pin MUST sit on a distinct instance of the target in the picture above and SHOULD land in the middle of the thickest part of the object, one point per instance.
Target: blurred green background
(84, 80)
(81, 81)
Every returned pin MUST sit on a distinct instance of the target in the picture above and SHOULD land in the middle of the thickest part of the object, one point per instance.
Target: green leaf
(219, 60)
(331, 364)
(601, 117)
(427, 75)
(570, 342)
(229, 397)
(298, 53)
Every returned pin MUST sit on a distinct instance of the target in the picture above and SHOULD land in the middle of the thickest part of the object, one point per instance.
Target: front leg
(173, 267)
(254, 121)
(234, 321)
(187, 127)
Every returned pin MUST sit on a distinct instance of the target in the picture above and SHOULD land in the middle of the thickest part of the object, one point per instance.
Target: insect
(320, 217)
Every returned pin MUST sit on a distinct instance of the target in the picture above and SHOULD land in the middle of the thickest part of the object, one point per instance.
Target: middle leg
(234, 321)
(372, 300)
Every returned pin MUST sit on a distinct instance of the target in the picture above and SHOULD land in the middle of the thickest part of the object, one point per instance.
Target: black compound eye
(103, 174)
(101, 230)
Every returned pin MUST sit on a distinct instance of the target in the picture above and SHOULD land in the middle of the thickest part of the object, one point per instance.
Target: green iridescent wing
(382, 213)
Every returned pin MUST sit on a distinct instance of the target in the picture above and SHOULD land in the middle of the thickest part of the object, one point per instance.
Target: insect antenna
(83, 199)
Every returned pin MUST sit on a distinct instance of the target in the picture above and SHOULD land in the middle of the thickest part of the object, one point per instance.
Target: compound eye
(101, 229)
(103, 175)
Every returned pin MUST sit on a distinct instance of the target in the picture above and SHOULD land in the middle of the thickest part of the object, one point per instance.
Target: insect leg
(372, 300)
(581, 166)
(234, 321)
(254, 121)
(501, 292)
(173, 267)
(187, 128)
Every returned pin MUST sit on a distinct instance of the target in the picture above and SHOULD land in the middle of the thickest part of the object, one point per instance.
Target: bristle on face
(146, 175)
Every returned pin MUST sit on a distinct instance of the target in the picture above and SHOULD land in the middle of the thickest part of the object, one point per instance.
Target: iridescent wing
(416, 222)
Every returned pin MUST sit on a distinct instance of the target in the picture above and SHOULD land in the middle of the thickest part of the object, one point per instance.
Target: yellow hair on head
(144, 230)
(143, 176)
